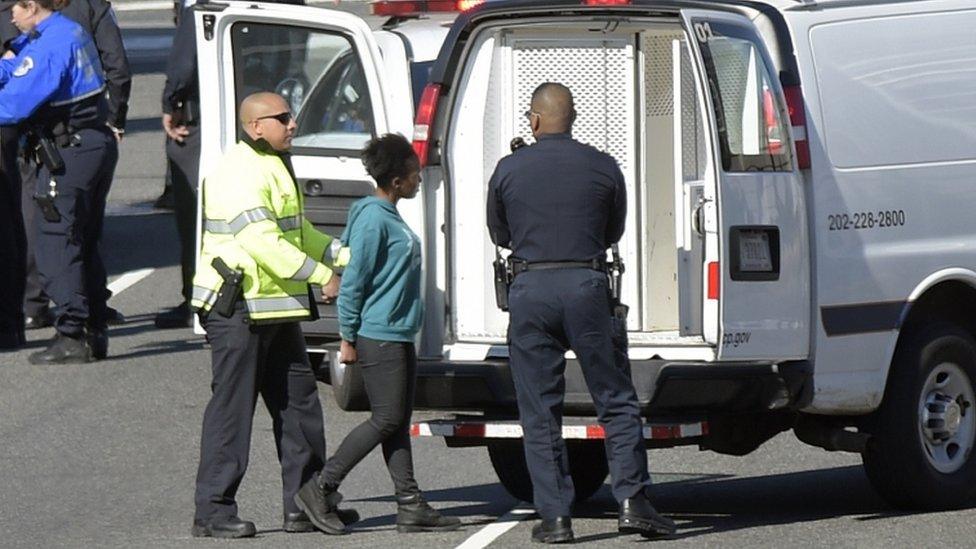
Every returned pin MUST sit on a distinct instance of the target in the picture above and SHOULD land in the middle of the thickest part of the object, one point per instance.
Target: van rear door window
(320, 75)
(751, 117)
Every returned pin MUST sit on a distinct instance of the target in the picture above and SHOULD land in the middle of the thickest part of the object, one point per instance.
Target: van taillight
(798, 119)
(425, 121)
(407, 8)
(714, 279)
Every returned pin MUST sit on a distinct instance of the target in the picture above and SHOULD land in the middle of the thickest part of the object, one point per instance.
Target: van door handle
(698, 218)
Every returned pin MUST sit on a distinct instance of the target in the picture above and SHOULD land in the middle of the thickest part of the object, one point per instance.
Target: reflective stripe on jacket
(253, 220)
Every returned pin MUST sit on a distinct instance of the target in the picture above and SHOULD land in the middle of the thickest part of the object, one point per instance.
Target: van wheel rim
(947, 420)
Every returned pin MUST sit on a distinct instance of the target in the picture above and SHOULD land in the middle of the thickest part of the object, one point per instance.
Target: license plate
(754, 253)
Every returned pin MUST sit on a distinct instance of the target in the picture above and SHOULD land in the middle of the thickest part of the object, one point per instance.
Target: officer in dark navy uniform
(558, 205)
(54, 85)
(98, 20)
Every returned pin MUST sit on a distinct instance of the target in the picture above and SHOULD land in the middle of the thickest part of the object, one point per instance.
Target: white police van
(799, 247)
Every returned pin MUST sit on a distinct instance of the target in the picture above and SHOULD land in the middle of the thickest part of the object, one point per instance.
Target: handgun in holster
(230, 290)
(45, 152)
(503, 279)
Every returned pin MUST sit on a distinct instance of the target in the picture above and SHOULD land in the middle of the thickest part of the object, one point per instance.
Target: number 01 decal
(703, 31)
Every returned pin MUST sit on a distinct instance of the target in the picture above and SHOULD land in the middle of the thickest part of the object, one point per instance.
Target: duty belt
(520, 266)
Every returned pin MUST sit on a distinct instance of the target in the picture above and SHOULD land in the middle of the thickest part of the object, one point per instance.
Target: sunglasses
(283, 117)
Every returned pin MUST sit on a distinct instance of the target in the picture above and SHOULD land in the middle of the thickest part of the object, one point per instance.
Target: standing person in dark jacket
(558, 205)
(98, 20)
(380, 312)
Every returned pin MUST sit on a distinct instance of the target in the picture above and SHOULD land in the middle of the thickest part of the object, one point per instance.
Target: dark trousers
(66, 250)
(248, 360)
(550, 312)
(184, 166)
(389, 371)
(13, 243)
(36, 302)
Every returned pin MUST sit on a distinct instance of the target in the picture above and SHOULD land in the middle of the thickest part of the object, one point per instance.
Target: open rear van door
(756, 270)
(326, 64)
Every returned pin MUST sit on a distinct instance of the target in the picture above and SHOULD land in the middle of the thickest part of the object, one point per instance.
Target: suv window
(320, 75)
(749, 113)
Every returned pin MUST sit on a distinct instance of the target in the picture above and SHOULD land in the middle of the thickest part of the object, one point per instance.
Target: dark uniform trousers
(66, 251)
(184, 166)
(12, 243)
(550, 311)
(248, 360)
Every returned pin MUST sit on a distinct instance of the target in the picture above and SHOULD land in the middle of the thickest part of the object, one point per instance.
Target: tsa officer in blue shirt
(558, 205)
(54, 87)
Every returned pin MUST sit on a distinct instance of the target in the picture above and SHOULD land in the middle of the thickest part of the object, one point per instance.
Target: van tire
(929, 397)
(348, 387)
(587, 466)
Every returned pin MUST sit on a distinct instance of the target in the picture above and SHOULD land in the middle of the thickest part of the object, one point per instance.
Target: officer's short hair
(386, 158)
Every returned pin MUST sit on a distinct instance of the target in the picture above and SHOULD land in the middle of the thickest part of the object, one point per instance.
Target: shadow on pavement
(486, 499)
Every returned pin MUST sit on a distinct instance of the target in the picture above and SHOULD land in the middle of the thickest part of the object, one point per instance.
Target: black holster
(503, 280)
(230, 290)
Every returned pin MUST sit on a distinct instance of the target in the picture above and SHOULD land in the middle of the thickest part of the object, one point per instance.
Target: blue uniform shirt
(56, 65)
(557, 200)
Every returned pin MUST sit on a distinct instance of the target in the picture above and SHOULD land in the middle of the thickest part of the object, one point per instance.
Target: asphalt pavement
(105, 454)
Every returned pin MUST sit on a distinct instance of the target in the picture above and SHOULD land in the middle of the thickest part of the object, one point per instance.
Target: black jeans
(389, 371)
(248, 360)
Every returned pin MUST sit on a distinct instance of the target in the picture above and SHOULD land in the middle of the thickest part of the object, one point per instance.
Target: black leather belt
(519, 266)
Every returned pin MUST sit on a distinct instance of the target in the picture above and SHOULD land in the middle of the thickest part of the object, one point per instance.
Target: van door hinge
(209, 21)
(698, 219)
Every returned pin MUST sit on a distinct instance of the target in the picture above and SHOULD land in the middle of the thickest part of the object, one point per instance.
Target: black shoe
(299, 522)
(43, 319)
(557, 530)
(98, 341)
(113, 316)
(638, 516)
(415, 515)
(231, 527)
(319, 504)
(63, 350)
(176, 317)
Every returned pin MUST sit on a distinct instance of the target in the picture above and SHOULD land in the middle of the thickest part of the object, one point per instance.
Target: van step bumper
(663, 387)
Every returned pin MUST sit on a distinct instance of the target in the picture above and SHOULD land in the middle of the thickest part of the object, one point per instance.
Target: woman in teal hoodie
(380, 312)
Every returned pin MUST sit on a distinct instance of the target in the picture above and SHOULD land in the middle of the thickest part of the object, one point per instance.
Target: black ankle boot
(320, 504)
(415, 515)
(638, 516)
(63, 350)
(556, 530)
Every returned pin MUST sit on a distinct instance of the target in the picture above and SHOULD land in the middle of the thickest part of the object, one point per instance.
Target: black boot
(557, 530)
(299, 522)
(177, 317)
(415, 515)
(638, 516)
(230, 527)
(320, 503)
(63, 350)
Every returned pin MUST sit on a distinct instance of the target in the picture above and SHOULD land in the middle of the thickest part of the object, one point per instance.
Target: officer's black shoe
(113, 316)
(98, 341)
(63, 350)
(42, 319)
(230, 527)
(176, 317)
(299, 522)
(320, 503)
(415, 515)
(557, 530)
(638, 516)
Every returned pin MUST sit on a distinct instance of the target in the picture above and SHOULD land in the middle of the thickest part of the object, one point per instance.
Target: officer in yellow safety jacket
(254, 226)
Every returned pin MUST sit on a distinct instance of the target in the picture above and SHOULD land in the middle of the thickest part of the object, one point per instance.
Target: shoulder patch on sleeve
(25, 67)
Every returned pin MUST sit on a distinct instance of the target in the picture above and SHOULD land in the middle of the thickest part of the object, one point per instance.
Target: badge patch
(25, 66)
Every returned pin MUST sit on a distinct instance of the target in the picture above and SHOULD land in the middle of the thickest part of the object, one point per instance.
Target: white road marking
(126, 280)
(488, 534)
